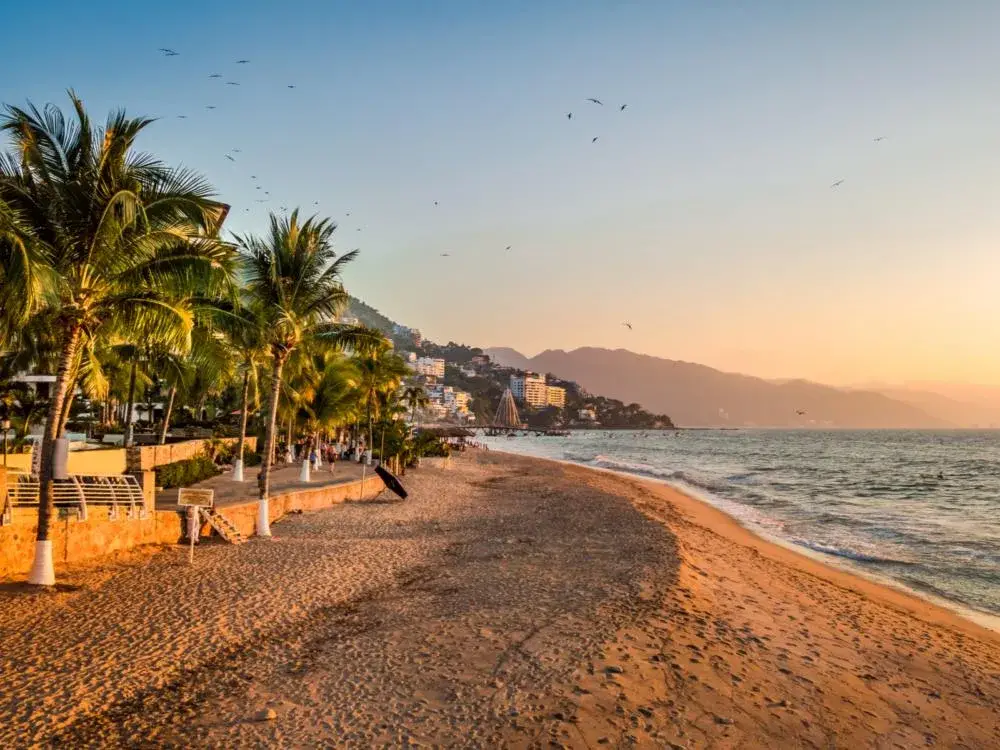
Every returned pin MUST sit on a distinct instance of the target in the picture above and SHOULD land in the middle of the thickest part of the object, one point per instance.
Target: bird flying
(879, 138)
(622, 108)
(237, 151)
(291, 85)
(182, 117)
(315, 203)
(230, 158)
(209, 106)
(627, 325)
(253, 177)
(216, 75)
(800, 412)
(569, 115)
(594, 139)
(445, 255)
(596, 101)
(168, 52)
(232, 83)
(507, 248)
(837, 183)
(435, 203)
(242, 62)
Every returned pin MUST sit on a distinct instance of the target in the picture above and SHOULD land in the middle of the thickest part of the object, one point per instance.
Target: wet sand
(508, 602)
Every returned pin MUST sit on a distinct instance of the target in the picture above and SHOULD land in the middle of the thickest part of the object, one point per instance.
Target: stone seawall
(77, 541)
(244, 515)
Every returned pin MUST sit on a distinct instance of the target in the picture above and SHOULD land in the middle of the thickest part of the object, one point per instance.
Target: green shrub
(187, 472)
(428, 445)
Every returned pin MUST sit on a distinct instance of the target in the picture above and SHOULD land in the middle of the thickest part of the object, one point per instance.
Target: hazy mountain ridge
(697, 395)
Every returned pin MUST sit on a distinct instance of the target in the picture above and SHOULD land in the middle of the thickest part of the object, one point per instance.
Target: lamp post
(5, 425)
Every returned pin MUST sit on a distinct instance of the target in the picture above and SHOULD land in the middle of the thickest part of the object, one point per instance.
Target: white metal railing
(116, 492)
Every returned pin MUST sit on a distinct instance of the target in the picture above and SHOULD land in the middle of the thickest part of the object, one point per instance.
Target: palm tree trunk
(70, 395)
(166, 415)
(42, 572)
(129, 428)
(264, 478)
(244, 415)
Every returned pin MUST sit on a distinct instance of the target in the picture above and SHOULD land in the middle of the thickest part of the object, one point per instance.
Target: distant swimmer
(838, 183)
(940, 475)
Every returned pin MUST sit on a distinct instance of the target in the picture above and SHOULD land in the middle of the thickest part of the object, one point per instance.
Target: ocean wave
(849, 554)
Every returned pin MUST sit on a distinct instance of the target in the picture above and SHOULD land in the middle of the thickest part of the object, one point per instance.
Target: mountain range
(695, 395)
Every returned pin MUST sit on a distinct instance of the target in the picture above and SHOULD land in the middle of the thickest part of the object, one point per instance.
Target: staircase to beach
(222, 526)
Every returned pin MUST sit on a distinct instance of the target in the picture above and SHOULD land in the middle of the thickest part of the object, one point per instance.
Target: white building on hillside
(429, 367)
(530, 389)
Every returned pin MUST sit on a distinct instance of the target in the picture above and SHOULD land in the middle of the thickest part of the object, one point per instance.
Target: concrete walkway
(283, 479)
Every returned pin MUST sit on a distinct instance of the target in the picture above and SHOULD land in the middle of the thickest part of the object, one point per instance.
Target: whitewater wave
(849, 554)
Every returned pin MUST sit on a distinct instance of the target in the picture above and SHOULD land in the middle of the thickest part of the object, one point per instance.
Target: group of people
(330, 453)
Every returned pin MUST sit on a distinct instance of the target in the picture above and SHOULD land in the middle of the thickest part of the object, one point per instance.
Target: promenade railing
(119, 494)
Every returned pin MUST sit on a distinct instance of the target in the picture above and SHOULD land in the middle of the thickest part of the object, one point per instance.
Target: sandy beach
(509, 602)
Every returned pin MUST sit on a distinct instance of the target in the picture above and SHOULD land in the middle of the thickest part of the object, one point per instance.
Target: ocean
(918, 509)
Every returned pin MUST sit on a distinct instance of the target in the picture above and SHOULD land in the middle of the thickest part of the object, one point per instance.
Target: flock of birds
(230, 156)
(596, 138)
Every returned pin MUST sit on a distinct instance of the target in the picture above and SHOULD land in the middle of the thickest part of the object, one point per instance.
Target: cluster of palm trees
(116, 278)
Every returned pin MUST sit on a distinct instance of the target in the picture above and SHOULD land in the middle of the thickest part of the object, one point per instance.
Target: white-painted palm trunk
(238, 470)
(304, 471)
(319, 456)
(43, 572)
(263, 518)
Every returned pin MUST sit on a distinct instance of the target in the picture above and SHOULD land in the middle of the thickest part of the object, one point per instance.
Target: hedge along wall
(142, 458)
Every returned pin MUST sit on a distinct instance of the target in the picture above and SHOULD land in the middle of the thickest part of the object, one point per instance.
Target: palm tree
(21, 274)
(415, 397)
(125, 239)
(382, 370)
(330, 396)
(246, 334)
(294, 277)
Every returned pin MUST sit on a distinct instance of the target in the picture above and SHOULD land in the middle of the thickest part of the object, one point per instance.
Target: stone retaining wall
(244, 515)
(76, 541)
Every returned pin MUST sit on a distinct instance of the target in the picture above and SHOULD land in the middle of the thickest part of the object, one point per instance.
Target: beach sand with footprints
(509, 602)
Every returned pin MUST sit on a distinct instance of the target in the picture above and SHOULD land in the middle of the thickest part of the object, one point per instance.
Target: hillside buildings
(533, 390)
(428, 367)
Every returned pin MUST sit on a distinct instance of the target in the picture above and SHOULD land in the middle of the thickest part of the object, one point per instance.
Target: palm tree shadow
(10, 589)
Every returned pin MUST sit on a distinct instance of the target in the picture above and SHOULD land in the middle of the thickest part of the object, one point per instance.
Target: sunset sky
(703, 214)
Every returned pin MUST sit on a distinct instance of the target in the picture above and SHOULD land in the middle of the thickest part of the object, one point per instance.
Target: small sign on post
(194, 499)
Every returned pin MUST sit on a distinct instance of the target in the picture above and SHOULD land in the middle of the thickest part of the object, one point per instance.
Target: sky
(703, 215)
